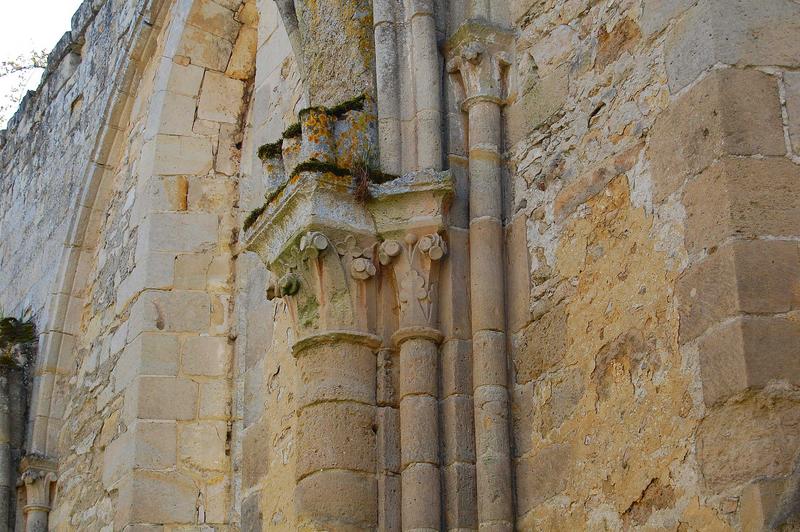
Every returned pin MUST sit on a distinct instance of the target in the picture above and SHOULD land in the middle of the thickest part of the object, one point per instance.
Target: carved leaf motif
(413, 285)
(349, 247)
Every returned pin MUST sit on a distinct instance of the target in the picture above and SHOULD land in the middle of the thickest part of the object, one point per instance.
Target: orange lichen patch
(617, 396)
(610, 46)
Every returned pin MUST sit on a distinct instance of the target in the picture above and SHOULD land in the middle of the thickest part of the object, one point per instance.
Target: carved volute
(414, 262)
(325, 278)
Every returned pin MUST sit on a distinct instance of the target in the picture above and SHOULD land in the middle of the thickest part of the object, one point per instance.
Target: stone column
(326, 282)
(415, 262)
(427, 83)
(6, 469)
(38, 479)
(479, 61)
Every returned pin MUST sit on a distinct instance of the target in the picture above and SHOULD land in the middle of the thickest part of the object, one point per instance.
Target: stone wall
(577, 307)
(653, 359)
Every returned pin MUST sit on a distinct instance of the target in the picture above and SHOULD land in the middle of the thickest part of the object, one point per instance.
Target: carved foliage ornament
(358, 262)
(414, 260)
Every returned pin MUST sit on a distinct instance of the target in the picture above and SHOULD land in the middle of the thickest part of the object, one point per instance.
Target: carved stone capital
(478, 57)
(414, 262)
(38, 476)
(324, 277)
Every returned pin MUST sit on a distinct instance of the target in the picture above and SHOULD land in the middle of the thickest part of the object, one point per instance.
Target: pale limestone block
(272, 54)
(211, 194)
(173, 114)
(214, 18)
(205, 355)
(175, 311)
(205, 49)
(248, 14)
(168, 398)
(185, 231)
(145, 445)
(228, 154)
(220, 98)
(243, 58)
(155, 270)
(733, 32)
(156, 497)
(183, 79)
(191, 270)
(254, 389)
(202, 445)
(147, 354)
(176, 155)
(217, 501)
(219, 272)
(255, 453)
(215, 399)
(554, 48)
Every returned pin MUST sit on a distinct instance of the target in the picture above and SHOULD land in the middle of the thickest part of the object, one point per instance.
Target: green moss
(378, 177)
(270, 151)
(339, 110)
(318, 166)
(293, 131)
(253, 216)
(353, 104)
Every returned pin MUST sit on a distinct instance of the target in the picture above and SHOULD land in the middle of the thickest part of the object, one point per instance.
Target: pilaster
(38, 479)
(478, 58)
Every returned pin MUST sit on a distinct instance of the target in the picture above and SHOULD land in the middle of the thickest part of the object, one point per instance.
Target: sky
(27, 25)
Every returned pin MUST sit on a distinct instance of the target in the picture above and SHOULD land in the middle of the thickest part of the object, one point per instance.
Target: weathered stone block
(168, 398)
(175, 155)
(255, 453)
(220, 98)
(389, 518)
(254, 388)
(147, 354)
(419, 430)
(176, 311)
(180, 232)
(335, 435)
(542, 475)
(252, 516)
(454, 287)
(519, 274)
(541, 345)
(215, 399)
(456, 367)
(191, 270)
(537, 105)
(791, 82)
(749, 352)
(741, 277)
(205, 355)
(388, 424)
(458, 443)
(201, 446)
(214, 18)
(730, 112)
(205, 49)
(657, 14)
(242, 63)
(418, 490)
(742, 198)
(155, 497)
(757, 436)
(417, 357)
(732, 32)
(459, 496)
(333, 372)
(355, 504)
